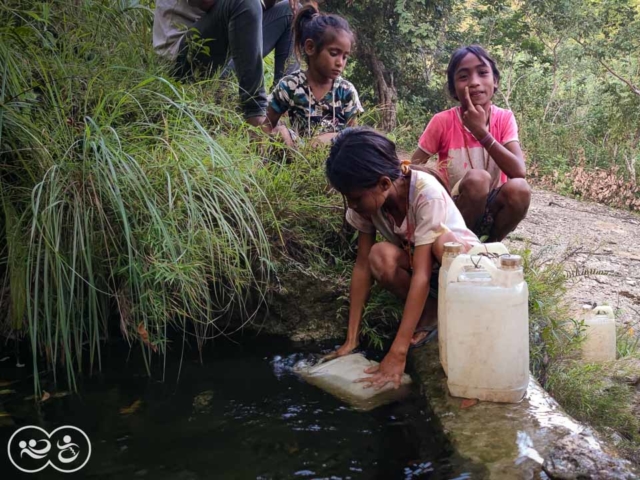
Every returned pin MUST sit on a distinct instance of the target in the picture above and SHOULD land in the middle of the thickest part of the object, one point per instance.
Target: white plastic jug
(338, 377)
(452, 253)
(495, 248)
(488, 331)
(600, 341)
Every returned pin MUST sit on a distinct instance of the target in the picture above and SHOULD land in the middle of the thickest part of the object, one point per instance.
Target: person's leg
(390, 268)
(277, 24)
(232, 28)
(277, 35)
(509, 208)
(472, 199)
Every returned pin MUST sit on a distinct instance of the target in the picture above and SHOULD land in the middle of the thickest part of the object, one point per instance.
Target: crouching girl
(416, 216)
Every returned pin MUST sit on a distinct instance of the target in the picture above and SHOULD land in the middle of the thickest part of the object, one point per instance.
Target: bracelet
(485, 139)
(490, 145)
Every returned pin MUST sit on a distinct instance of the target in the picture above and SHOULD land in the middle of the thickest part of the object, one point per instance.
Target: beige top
(431, 209)
(171, 20)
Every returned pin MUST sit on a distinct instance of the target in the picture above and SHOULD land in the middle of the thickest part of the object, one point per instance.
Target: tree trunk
(385, 90)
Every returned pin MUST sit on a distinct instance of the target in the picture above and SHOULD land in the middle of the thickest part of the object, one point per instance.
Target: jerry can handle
(461, 261)
(604, 310)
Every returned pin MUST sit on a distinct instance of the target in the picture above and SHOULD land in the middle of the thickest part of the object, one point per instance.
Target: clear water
(241, 414)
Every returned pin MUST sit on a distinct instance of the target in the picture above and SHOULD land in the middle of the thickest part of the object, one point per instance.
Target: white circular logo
(31, 449)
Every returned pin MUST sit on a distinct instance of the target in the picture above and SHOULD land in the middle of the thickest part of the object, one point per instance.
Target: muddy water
(241, 414)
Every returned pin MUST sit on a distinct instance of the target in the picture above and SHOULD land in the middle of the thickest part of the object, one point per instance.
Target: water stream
(241, 414)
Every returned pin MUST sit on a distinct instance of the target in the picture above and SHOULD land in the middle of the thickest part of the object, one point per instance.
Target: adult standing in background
(204, 34)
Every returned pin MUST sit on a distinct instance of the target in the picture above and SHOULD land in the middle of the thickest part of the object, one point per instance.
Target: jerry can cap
(452, 247)
(511, 261)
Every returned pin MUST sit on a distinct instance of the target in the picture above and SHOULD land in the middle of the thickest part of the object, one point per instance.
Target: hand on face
(474, 117)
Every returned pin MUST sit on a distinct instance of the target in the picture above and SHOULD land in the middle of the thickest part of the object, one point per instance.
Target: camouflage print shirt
(309, 116)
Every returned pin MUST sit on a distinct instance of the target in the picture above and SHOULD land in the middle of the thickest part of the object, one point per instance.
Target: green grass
(124, 191)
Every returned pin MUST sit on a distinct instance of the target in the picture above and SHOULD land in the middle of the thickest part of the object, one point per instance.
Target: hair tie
(405, 167)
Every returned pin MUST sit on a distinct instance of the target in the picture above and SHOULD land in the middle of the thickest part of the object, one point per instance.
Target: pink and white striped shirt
(459, 151)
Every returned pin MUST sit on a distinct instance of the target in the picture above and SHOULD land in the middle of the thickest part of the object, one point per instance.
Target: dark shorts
(433, 282)
(484, 225)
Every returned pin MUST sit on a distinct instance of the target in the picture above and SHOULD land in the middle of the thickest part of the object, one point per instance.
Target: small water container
(600, 341)
(451, 251)
(494, 250)
(338, 377)
(488, 330)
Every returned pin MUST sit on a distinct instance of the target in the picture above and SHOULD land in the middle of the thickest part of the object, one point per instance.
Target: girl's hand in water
(345, 349)
(390, 370)
(474, 117)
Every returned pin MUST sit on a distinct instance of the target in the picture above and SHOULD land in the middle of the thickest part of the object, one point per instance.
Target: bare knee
(383, 262)
(475, 184)
(516, 195)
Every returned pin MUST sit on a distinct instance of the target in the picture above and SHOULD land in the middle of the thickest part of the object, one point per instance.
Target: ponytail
(310, 24)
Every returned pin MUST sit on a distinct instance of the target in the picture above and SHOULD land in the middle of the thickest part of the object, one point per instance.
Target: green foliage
(590, 393)
(380, 319)
(125, 192)
(628, 343)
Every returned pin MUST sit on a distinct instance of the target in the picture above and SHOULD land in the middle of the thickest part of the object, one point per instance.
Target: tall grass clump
(122, 198)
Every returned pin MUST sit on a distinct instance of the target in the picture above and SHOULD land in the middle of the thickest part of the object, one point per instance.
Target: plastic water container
(600, 341)
(469, 264)
(488, 330)
(451, 251)
(338, 377)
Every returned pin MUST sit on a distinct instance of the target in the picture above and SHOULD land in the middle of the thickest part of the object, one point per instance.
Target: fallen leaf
(60, 394)
(7, 392)
(468, 403)
(45, 396)
(144, 335)
(4, 359)
(4, 383)
(131, 408)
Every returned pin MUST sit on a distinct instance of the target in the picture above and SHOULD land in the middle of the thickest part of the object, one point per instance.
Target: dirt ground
(595, 237)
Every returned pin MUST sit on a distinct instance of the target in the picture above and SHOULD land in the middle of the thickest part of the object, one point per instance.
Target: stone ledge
(532, 439)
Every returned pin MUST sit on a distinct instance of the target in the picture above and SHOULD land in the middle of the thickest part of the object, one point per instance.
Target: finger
(364, 379)
(382, 382)
(467, 99)
(372, 369)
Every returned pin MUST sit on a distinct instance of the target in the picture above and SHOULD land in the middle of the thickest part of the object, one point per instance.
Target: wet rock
(304, 306)
(577, 456)
(511, 441)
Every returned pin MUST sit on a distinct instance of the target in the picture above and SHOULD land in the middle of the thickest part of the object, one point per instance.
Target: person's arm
(508, 157)
(359, 292)
(271, 120)
(420, 157)
(392, 366)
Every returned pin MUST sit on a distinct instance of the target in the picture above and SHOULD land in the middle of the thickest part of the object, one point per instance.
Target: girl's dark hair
(457, 57)
(321, 28)
(359, 157)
